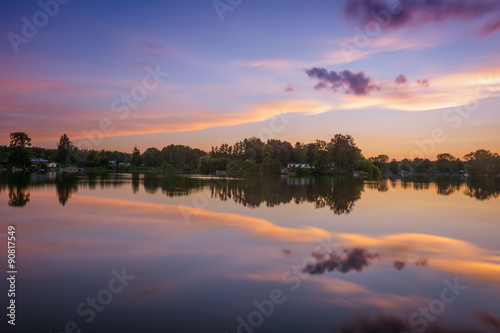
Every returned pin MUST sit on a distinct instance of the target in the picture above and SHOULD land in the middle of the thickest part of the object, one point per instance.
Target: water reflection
(392, 323)
(483, 188)
(337, 193)
(18, 184)
(384, 263)
(66, 184)
(345, 261)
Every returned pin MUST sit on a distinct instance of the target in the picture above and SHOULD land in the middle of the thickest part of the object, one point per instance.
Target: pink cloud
(490, 28)
(155, 48)
(401, 79)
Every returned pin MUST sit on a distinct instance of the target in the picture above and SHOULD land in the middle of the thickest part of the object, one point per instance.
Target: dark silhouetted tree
(21, 154)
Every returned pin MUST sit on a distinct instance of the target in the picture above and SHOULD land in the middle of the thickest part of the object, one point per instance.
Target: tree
(93, 159)
(321, 161)
(299, 153)
(406, 165)
(253, 149)
(267, 151)
(380, 161)
(284, 154)
(136, 157)
(421, 165)
(482, 162)
(250, 167)
(233, 168)
(270, 166)
(394, 167)
(152, 157)
(344, 152)
(445, 162)
(21, 154)
(63, 149)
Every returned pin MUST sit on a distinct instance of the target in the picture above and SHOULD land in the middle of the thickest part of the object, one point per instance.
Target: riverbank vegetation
(247, 157)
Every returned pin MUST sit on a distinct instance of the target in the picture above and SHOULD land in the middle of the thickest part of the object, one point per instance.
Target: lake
(190, 253)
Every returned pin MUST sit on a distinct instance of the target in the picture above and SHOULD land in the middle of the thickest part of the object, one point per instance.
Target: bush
(270, 166)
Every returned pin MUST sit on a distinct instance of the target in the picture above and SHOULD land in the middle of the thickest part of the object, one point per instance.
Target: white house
(299, 165)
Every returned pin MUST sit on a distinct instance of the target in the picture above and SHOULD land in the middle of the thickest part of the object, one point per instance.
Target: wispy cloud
(154, 49)
(336, 52)
(490, 28)
(417, 13)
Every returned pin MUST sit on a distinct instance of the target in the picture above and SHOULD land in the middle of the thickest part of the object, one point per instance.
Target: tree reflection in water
(66, 184)
(338, 193)
(18, 184)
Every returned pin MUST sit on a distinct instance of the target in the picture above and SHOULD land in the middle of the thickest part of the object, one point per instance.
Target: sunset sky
(404, 78)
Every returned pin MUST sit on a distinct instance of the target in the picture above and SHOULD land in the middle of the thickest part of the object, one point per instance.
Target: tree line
(250, 156)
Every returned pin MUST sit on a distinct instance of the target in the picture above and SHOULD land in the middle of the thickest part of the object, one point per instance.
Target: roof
(39, 160)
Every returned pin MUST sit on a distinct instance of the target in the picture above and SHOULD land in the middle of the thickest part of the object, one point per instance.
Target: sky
(405, 78)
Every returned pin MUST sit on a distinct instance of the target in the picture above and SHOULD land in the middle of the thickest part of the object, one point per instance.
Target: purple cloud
(423, 83)
(352, 83)
(401, 79)
(490, 28)
(289, 88)
(416, 13)
(155, 49)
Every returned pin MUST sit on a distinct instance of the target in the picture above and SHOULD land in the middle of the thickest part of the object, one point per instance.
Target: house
(299, 165)
(112, 163)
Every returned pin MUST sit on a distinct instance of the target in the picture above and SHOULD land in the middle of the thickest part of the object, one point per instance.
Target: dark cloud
(401, 79)
(399, 264)
(289, 88)
(416, 13)
(351, 83)
(344, 262)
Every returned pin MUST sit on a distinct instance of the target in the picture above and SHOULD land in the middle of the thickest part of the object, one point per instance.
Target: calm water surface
(148, 253)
